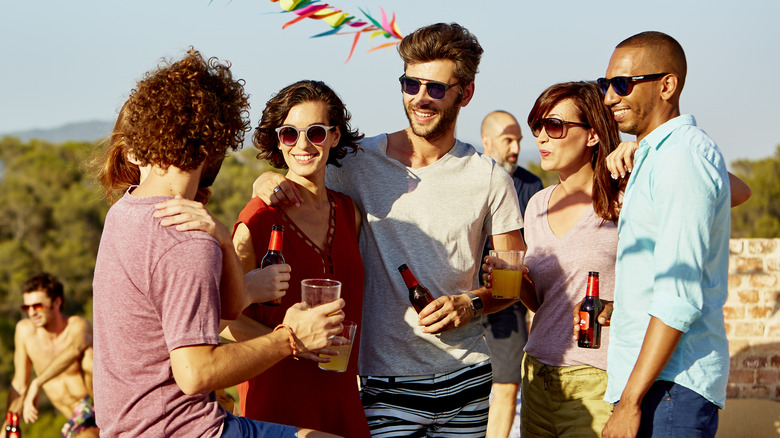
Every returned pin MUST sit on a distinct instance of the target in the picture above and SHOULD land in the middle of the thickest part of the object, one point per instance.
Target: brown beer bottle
(590, 329)
(274, 255)
(419, 296)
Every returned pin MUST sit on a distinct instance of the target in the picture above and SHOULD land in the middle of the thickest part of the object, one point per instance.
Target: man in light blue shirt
(668, 354)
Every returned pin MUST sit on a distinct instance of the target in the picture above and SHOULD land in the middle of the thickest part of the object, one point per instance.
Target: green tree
(759, 217)
(50, 219)
(233, 187)
(548, 178)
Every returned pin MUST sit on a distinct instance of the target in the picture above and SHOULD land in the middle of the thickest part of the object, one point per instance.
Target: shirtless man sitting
(59, 349)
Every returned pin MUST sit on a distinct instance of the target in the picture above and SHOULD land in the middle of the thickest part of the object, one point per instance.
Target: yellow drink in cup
(338, 363)
(346, 339)
(506, 284)
(507, 273)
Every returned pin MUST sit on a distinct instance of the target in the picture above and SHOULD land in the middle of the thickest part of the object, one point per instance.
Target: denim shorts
(242, 427)
(672, 410)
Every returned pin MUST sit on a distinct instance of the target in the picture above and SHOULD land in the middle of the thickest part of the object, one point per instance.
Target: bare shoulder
(79, 331)
(79, 323)
(25, 327)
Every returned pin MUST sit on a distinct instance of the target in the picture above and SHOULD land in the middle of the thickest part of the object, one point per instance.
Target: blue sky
(74, 61)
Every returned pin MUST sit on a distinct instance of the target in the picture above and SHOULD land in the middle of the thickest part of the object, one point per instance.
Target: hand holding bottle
(446, 313)
(604, 317)
(267, 284)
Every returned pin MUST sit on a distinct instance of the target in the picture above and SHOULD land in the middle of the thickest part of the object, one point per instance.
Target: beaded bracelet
(291, 337)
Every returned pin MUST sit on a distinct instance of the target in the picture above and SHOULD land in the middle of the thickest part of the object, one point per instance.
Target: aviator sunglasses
(436, 90)
(622, 84)
(555, 128)
(316, 134)
(36, 306)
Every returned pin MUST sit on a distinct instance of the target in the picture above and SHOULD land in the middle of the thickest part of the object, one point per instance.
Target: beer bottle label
(584, 320)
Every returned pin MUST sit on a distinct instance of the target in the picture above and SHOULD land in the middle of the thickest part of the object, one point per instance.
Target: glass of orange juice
(507, 273)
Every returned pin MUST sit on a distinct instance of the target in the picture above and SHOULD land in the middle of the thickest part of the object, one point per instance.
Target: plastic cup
(345, 338)
(316, 291)
(507, 273)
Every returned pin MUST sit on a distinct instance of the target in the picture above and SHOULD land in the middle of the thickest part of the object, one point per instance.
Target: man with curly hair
(159, 292)
(428, 201)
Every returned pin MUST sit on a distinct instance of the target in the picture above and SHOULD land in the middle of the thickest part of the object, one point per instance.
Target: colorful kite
(339, 20)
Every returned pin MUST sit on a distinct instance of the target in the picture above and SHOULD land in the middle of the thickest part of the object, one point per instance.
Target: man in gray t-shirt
(428, 201)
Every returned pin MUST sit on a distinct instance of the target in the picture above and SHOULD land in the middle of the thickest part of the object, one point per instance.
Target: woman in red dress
(304, 128)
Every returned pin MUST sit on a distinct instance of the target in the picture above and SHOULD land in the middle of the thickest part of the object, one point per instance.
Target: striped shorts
(453, 404)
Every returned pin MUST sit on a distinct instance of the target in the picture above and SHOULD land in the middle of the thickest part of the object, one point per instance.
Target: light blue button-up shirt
(672, 260)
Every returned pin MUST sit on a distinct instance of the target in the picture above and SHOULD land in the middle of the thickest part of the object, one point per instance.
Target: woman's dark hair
(589, 101)
(277, 108)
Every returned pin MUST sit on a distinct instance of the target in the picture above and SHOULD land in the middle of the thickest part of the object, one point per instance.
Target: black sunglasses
(316, 134)
(555, 128)
(36, 306)
(622, 84)
(436, 90)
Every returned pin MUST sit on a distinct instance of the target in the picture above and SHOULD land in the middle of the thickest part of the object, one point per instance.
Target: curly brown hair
(277, 108)
(443, 41)
(113, 168)
(588, 99)
(186, 113)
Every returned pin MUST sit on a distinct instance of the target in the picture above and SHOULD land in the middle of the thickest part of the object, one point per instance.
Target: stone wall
(753, 318)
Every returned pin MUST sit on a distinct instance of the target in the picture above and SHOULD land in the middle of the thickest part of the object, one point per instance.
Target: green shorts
(562, 401)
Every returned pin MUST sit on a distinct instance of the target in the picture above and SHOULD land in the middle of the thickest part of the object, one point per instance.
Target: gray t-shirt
(435, 219)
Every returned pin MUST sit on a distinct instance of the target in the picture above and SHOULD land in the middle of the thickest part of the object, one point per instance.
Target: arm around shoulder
(740, 191)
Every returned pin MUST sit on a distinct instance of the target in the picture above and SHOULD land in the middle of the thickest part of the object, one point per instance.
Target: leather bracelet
(291, 336)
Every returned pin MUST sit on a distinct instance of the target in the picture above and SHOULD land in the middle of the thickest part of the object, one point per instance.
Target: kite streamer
(343, 23)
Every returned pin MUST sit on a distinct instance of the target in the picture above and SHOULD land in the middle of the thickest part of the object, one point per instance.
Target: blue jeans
(671, 410)
(242, 427)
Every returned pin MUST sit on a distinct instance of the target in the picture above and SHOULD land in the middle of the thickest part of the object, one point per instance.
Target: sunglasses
(316, 134)
(555, 128)
(622, 84)
(36, 306)
(436, 90)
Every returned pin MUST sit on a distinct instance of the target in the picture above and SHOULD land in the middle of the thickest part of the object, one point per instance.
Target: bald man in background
(506, 330)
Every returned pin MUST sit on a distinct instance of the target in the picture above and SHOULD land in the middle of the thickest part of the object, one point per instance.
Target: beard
(509, 165)
(641, 112)
(438, 127)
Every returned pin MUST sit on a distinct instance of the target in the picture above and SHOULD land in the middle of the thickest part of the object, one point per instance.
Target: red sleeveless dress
(297, 392)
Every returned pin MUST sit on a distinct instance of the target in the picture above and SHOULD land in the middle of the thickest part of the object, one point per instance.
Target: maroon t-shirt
(155, 289)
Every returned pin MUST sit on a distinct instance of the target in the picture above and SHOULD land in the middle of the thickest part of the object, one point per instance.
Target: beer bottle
(13, 430)
(590, 329)
(7, 423)
(274, 255)
(419, 296)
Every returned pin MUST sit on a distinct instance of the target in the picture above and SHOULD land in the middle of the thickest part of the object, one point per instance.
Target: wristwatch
(476, 303)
